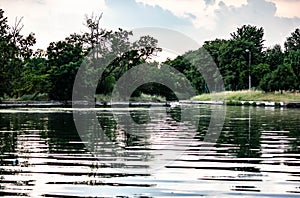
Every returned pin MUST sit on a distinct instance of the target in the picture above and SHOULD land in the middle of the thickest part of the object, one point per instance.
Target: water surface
(257, 154)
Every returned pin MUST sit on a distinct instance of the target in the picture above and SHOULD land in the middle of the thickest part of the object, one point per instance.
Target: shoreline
(99, 104)
(247, 103)
(68, 104)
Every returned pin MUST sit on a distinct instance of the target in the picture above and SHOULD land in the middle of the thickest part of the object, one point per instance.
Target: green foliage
(258, 72)
(14, 51)
(270, 70)
(233, 64)
(183, 65)
(250, 96)
(52, 73)
(268, 83)
(293, 58)
(233, 103)
(34, 97)
(64, 59)
(283, 78)
(107, 85)
(213, 47)
(251, 34)
(62, 80)
(34, 78)
(293, 42)
(247, 103)
(274, 57)
(277, 104)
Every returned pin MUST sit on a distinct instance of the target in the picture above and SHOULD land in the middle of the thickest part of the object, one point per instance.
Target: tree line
(271, 69)
(24, 71)
(52, 71)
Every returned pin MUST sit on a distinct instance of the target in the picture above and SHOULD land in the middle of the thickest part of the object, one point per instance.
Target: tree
(64, 59)
(293, 42)
(15, 50)
(116, 44)
(286, 78)
(274, 57)
(35, 77)
(267, 84)
(127, 54)
(293, 58)
(6, 53)
(184, 65)
(292, 54)
(213, 47)
(233, 63)
(282, 79)
(258, 72)
(253, 35)
(233, 58)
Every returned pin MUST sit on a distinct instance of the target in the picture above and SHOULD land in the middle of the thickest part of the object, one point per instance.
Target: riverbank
(246, 95)
(83, 104)
(250, 98)
(103, 104)
(237, 98)
(245, 103)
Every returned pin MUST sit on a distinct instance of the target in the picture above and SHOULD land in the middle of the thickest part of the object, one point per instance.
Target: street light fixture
(247, 50)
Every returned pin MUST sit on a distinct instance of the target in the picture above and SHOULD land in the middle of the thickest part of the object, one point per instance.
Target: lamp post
(249, 126)
(249, 64)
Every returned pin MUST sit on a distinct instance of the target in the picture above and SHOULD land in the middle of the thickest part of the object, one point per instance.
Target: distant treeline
(24, 71)
(271, 69)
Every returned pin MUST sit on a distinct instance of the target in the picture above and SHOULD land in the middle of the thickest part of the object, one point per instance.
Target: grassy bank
(228, 95)
(250, 96)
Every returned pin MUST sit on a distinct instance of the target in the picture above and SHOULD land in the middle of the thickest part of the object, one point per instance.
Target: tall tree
(233, 61)
(254, 37)
(35, 77)
(15, 50)
(274, 57)
(293, 58)
(292, 53)
(64, 59)
(116, 44)
(213, 47)
(252, 34)
(282, 79)
(293, 42)
(6, 53)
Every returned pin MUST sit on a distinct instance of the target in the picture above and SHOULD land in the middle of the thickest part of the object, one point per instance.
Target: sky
(201, 20)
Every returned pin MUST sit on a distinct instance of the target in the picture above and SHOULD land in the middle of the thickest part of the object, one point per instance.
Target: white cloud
(51, 20)
(287, 8)
(217, 19)
(197, 11)
(200, 12)
(260, 13)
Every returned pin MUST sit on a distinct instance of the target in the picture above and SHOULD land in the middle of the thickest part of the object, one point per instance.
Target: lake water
(256, 153)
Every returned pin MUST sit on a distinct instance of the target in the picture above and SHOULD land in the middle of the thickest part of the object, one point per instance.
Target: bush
(247, 103)
(233, 103)
(36, 97)
(277, 104)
